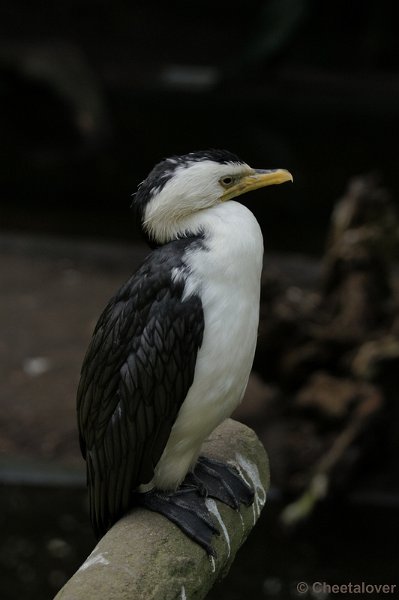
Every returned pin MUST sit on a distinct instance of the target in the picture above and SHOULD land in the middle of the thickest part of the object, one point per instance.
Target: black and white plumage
(171, 354)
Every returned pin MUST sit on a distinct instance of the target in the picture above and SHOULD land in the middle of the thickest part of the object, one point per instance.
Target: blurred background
(92, 95)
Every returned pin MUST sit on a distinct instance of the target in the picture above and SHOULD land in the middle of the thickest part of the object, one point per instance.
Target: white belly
(227, 276)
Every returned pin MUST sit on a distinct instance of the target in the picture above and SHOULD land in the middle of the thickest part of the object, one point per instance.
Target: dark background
(92, 94)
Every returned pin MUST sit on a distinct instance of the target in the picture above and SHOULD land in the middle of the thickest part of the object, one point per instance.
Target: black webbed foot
(223, 482)
(186, 508)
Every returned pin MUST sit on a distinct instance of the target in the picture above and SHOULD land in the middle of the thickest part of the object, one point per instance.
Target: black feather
(135, 376)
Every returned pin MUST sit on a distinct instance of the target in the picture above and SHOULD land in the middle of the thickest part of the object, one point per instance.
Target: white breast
(227, 276)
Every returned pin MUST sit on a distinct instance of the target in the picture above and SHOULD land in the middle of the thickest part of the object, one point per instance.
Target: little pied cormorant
(171, 354)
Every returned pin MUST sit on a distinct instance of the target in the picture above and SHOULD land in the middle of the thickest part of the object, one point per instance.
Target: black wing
(135, 376)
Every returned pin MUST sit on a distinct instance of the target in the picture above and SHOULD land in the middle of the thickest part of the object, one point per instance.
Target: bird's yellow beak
(257, 179)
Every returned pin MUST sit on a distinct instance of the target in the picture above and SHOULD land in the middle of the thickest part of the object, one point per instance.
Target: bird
(171, 354)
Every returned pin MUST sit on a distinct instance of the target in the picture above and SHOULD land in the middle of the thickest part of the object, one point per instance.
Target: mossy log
(145, 556)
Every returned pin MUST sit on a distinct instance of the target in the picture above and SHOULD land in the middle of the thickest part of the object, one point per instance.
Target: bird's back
(135, 376)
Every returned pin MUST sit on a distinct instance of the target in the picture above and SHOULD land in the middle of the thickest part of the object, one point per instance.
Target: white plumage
(226, 274)
(175, 208)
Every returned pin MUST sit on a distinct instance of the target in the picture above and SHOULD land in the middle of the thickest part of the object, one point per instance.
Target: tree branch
(145, 556)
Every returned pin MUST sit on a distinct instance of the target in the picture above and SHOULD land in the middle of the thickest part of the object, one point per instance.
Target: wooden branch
(146, 556)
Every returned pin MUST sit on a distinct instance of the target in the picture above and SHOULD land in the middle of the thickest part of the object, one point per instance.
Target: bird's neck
(232, 234)
(228, 223)
(230, 253)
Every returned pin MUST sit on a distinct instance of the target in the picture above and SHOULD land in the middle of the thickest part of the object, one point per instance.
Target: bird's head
(180, 187)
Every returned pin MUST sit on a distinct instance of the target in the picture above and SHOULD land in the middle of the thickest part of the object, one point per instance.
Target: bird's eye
(226, 181)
